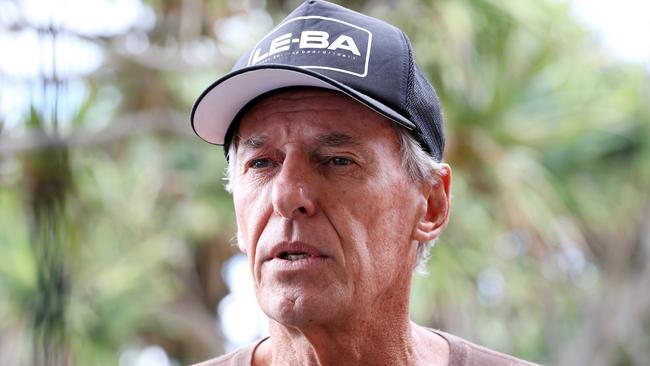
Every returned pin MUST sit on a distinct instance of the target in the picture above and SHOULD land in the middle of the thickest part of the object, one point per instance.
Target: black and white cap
(328, 46)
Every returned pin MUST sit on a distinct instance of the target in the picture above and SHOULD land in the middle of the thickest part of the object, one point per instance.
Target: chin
(301, 310)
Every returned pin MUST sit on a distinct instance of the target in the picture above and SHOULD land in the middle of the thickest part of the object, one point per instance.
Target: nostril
(302, 210)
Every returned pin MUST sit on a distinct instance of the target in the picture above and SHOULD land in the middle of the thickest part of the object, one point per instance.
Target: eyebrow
(337, 139)
(327, 139)
(255, 141)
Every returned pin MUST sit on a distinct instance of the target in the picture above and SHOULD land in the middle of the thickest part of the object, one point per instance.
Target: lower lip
(296, 265)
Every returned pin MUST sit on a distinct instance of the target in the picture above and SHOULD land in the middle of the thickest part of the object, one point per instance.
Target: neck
(377, 337)
(363, 342)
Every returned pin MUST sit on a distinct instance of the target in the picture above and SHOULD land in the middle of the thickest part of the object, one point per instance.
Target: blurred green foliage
(114, 224)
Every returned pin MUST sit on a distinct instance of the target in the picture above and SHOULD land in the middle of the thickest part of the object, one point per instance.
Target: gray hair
(417, 164)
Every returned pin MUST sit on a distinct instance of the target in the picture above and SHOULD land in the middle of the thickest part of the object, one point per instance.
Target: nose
(293, 188)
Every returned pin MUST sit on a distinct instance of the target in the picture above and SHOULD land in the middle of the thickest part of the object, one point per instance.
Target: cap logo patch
(315, 42)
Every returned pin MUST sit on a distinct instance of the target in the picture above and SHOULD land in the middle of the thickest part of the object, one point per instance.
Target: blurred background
(116, 232)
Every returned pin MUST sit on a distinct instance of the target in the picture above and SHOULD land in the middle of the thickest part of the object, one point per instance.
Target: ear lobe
(437, 196)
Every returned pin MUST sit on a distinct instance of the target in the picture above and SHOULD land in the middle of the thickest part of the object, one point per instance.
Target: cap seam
(406, 66)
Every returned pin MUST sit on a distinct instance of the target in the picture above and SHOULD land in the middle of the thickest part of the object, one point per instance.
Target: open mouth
(293, 256)
(296, 252)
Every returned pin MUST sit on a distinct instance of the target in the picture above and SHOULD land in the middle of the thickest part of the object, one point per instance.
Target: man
(334, 140)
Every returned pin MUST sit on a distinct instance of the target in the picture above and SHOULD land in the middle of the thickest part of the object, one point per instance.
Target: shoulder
(241, 357)
(465, 353)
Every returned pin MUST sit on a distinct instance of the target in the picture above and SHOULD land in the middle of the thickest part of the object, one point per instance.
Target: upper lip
(294, 247)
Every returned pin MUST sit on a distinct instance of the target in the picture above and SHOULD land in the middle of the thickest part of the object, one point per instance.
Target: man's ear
(436, 206)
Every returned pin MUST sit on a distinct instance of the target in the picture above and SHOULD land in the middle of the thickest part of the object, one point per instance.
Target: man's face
(325, 210)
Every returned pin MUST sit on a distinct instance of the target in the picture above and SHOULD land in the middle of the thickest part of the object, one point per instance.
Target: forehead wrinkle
(282, 110)
(304, 100)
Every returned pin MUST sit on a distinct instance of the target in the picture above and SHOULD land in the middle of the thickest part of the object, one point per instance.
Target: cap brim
(219, 104)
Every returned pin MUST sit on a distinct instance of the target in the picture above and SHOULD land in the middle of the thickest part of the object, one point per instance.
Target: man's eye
(337, 160)
(259, 163)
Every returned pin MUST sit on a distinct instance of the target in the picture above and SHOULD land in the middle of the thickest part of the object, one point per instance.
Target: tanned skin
(330, 222)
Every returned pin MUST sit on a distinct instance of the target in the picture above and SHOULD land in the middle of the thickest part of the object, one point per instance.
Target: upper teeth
(294, 257)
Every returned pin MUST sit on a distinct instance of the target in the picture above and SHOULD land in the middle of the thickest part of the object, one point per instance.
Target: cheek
(250, 213)
(383, 222)
(249, 219)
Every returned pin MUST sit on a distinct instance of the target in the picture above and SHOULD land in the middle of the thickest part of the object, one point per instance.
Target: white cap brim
(219, 104)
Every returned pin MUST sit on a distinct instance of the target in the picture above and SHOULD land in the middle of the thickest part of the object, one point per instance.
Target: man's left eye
(337, 160)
